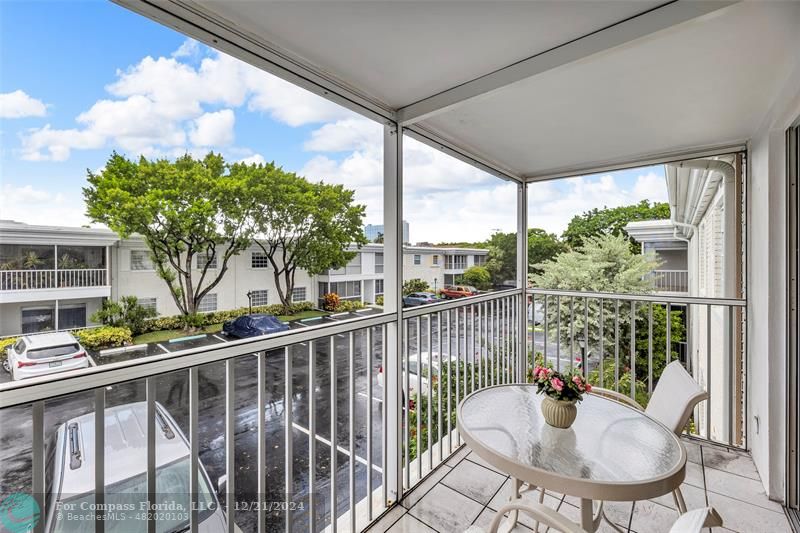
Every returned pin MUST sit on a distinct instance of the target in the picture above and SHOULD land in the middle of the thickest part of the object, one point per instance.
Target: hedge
(103, 337)
(349, 305)
(217, 317)
(5, 343)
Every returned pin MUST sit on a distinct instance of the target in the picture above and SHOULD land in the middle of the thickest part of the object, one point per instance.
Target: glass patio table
(612, 452)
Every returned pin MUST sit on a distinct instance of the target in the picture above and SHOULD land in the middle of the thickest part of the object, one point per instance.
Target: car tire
(7, 365)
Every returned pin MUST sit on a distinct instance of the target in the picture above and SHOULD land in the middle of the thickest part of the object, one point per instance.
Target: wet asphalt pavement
(172, 393)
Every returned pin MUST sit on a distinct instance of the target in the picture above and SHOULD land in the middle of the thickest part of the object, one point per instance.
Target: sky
(81, 79)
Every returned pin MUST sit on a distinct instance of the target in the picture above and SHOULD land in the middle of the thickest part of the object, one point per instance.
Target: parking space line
(364, 394)
(91, 360)
(162, 347)
(339, 448)
(219, 338)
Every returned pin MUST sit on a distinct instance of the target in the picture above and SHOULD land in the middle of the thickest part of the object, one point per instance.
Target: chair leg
(541, 500)
(680, 503)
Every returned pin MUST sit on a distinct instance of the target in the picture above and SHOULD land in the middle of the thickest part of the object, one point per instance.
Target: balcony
(31, 280)
(670, 281)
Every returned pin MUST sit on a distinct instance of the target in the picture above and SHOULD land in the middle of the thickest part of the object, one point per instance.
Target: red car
(458, 291)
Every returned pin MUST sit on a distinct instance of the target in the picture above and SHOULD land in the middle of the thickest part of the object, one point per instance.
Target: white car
(415, 380)
(43, 354)
(70, 475)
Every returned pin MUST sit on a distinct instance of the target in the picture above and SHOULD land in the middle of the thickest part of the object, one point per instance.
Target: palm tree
(32, 261)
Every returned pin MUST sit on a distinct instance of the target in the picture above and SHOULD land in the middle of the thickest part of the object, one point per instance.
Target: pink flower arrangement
(569, 386)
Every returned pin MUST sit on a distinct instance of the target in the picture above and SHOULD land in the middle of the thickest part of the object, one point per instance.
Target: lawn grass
(167, 334)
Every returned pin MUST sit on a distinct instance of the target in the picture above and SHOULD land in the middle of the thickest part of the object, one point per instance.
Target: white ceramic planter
(559, 413)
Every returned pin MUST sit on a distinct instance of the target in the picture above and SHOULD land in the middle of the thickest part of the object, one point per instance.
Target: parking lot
(171, 392)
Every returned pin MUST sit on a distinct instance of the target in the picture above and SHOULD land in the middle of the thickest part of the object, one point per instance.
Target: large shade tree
(611, 220)
(502, 262)
(303, 225)
(182, 209)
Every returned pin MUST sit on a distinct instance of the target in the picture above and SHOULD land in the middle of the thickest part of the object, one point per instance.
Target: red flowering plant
(567, 386)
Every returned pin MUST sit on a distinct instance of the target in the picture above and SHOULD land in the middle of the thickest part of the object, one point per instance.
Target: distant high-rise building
(373, 231)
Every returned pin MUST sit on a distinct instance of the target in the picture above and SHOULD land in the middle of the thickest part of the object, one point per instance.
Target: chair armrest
(617, 397)
(543, 514)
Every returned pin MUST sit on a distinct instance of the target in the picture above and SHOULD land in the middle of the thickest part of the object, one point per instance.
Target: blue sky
(80, 79)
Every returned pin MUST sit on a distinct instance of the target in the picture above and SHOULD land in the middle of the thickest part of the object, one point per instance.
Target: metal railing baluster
(418, 404)
(352, 434)
(633, 351)
(100, 457)
(650, 350)
(312, 441)
(708, 371)
(368, 357)
(288, 425)
(334, 435)
(616, 345)
(261, 429)
(38, 463)
(150, 398)
(194, 448)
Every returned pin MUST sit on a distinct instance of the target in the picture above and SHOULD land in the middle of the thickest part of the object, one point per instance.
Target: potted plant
(562, 391)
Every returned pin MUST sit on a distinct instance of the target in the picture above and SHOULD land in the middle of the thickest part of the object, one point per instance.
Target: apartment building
(362, 278)
(54, 277)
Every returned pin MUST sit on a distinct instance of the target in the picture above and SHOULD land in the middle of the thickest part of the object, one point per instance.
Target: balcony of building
(321, 428)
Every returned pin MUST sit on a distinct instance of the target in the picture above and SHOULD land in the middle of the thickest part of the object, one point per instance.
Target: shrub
(332, 301)
(127, 312)
(104, 337)
(477, 276)
(415, 285)
(349, 305)
(200, 320)
(379, 301)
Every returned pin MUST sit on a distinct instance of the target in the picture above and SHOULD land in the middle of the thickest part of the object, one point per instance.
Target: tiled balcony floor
(467, 491)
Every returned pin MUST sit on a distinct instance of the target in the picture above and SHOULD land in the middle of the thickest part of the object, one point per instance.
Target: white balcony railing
(670, 280)
(277, 415)
(594, 332)
(250, 391)
(20, 280)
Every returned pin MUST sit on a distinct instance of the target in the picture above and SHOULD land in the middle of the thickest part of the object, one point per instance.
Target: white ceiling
(399, 52)
(705, 82)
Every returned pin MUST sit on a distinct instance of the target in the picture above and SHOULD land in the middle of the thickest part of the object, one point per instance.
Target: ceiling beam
(656, 19)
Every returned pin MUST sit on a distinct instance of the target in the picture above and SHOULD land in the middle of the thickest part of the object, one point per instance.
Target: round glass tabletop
(611, 452)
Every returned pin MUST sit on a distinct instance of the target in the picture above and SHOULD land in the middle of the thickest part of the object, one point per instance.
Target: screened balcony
(322, 428)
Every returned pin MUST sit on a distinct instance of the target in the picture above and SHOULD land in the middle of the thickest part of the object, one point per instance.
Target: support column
(522, 277)
(392, 298)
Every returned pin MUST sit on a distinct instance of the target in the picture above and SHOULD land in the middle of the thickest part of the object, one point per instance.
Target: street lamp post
(250, 301)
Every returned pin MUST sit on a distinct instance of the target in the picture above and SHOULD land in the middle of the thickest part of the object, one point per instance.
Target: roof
(13, 232)
(654, 231)
(529, 89)
(125, 441)
(410, 249)
(46, 340)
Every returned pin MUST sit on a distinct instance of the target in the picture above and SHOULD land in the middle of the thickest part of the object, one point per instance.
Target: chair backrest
(675, 397)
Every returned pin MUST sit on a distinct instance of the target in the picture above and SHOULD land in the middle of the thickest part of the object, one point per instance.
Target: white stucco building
(54, 277)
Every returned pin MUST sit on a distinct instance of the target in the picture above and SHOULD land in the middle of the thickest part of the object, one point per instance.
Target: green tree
(379, 238)
(606, 263)
(477, 276)
(182, 209)
(302, 225)
(611, 221)
(415, 285)
(502, 262)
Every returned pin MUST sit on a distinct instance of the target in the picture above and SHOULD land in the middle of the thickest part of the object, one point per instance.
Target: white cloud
(18, 104)
(28, 204)
(345, 135)
(189, 48)
(650, 187)
(158, 100)
(255, 159)
(213, 129)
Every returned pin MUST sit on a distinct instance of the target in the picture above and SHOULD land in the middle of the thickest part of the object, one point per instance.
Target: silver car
(70, 475)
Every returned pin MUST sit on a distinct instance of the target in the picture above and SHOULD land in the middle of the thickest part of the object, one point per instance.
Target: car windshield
(53, 351)
(126, 498)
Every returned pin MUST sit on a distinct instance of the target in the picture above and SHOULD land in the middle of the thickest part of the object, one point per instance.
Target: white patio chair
(672, 402)
(690, 522)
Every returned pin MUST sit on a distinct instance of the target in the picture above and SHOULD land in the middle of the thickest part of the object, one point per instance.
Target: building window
(436, 260)
(36, 319)
(148, 303)
(378, 287)
(208, 303)
(455, 262)
(259, 260)
(480, 259)
(140, 260)
(346, 289)
(379, 263)
(203, 260)
(417, 259)
(259, 297)
(72, 316)
(299, 294)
